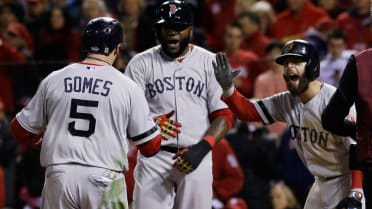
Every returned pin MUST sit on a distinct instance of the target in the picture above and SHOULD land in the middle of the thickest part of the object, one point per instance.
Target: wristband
(210, 139)
(358, 195)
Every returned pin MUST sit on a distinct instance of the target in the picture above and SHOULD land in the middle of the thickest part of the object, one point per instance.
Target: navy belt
(170, 149)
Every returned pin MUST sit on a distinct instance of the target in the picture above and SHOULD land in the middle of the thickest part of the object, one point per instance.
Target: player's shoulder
(147, 54)
(200, 51)
(280, 98)
(285, 95)
(328, 90)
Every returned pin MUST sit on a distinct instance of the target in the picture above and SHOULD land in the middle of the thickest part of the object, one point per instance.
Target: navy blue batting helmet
(102, 35)
(174, 12)
(305, 50)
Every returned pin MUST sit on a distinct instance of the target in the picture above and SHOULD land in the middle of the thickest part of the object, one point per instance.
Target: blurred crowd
(40, 36)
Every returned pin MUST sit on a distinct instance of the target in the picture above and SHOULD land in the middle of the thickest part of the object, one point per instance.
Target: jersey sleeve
(141, 127)
(272, 108)
(33, 117)
(135, 71)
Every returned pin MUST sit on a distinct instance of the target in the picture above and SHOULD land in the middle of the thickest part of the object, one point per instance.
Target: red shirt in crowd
(8, 54)
(290, 25)
(216, 15)
(359, 36)
(256, 43)
(228, 177)
(247, 62)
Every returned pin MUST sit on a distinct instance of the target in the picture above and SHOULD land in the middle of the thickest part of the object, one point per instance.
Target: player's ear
(117, 50)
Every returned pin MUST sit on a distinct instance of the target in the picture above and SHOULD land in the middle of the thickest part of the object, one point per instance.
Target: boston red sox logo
(172, 9)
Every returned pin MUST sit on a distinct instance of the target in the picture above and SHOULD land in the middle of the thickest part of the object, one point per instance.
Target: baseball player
(354, 88)
(176, 75)
(323, 153)
(86, 111)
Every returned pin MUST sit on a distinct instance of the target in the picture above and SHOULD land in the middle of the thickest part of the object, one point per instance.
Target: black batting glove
(354, 201)
(188, 159)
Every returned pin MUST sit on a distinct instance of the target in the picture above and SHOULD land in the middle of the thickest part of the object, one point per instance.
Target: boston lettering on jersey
(87, 85)
(309, 135)
(182, 83)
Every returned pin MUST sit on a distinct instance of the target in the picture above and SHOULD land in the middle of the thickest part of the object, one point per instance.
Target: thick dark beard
(184, 43)
(303, 85)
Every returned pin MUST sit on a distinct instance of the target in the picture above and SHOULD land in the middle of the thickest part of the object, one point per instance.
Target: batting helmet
(303, 49)
(102, 35)
(174, 12)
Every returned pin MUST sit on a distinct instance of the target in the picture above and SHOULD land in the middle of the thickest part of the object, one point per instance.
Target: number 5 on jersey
(82, 116)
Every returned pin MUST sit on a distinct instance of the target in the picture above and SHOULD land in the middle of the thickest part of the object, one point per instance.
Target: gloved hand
(188, 159)
(222, 70)
(354, 201)
(167, 127)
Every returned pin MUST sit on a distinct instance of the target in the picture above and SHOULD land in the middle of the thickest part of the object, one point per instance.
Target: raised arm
(239, 105)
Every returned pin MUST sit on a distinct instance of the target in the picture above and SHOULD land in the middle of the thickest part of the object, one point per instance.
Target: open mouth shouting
(173, 43)
(292, 78)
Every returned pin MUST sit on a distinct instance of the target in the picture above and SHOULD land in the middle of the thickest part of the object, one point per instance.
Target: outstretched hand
(223, 72)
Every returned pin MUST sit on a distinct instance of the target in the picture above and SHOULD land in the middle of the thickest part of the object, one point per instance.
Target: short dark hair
(235, 24)
(337, 34)
(253, 16)
(274, 44)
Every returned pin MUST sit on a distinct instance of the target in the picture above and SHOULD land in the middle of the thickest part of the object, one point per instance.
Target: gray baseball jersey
(323, 153)
(189, 87)
(86, 112)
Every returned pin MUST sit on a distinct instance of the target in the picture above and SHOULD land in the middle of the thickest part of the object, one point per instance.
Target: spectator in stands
(139, 34)
(254, 39)
(228, 178)
(216, 15)
(256, 153)
(317, 36)
(293, 22)
(92, 9)
(35, 17)
(10, 12)
(333, 7)
(271, 82)
(291, 169)
(8, 154)
(282, 197)
(354, 23)
(59, 41)
(335, 62)
(243, 60)
(266, 13)
(2, 178)
(8, 54)
(243, 6)
(26, 79)
(17, 35)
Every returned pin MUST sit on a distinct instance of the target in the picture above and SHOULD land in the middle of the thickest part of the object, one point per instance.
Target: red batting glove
(167, 127)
